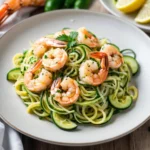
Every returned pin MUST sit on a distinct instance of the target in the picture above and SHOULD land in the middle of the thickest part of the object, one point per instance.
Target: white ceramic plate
(13, 111)
(110, 6)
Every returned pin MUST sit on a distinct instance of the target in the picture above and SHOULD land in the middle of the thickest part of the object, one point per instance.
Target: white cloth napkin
(9, 138)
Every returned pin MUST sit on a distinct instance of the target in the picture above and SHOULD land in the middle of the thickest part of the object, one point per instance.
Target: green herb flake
(59, 91)
(40, 118)
(85, 36)
(45, 56)
(24, 69)
(25, 52)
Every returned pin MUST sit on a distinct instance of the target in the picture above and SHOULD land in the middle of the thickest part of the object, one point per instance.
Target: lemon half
(144, 14)
(128, 6)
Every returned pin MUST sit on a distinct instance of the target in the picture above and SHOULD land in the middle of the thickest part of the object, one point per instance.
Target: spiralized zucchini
(93, 104)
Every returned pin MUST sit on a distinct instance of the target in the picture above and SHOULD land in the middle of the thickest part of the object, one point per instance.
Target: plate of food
(64, 78)
(135, 11)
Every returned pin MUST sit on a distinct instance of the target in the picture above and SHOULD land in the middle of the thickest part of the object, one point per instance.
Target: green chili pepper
(69, 3)
(53, 4)
(82, 4)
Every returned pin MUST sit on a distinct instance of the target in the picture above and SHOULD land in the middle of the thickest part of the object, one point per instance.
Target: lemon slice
(128, 6)
(144, 14)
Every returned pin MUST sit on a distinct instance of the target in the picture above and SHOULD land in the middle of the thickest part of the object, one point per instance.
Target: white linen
(9, 138)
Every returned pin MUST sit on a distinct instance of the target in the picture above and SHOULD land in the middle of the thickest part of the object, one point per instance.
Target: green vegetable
(63, 37)
(115, 1)
(13, 74)
(109, 116)
(120, 103)
(114, 46)
(62, 122)
(73, 35)
(82, 4)
(128, 52)
(133, 64)
(71, 39)
(69, 3)
(53, 4)
(43, 102)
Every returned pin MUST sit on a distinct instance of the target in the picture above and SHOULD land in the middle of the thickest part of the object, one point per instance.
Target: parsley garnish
(73, 35)
(85, 36)
(71, 39)
(45, 56)
(71, 44)
(64, 37)
(59, 91)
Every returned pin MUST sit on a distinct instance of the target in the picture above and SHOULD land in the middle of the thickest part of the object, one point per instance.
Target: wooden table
(138, 140)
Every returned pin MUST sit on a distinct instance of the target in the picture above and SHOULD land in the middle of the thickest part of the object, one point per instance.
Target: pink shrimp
(40, 83)
(89, 71)
(65, 91)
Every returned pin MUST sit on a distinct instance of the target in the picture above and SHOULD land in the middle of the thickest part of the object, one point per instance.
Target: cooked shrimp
(86, 37)
(115, 58)
(10, 6)
(43, 44)
(54, 59)
(89, 71)
(64, 31)
(65, 91)
(40, 83)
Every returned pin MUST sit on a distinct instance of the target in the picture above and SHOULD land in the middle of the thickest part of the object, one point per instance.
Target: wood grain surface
(138, 140)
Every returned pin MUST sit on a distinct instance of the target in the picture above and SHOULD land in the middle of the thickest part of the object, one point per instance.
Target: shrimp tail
(56, 84)
(36, 66)
(101, 55)
(10, 6)
(3, 12)
(56, 43)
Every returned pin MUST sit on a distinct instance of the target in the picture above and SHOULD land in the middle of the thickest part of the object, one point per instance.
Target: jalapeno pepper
(69, 3)
(82, 4)
(53, 4)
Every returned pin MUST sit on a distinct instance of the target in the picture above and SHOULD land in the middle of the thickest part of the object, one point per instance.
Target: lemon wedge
(144, 14)
(128, 6)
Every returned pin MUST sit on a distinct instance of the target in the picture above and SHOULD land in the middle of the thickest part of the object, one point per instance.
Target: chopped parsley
(24, 69)
(85, 36)
(45, 56)
(59, 91)
(41, 118)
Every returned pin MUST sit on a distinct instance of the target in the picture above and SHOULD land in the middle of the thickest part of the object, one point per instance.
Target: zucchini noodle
(28, 61)
(93, 105)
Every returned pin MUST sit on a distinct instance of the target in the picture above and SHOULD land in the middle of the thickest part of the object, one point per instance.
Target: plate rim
(73, 144)
(66, 143)
(117, 15)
